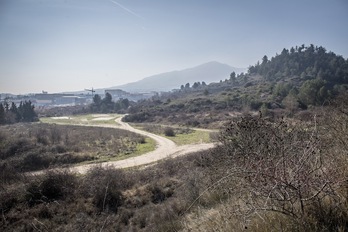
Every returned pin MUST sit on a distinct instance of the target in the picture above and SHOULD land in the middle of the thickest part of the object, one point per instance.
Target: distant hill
(208, 72)
(297, 79)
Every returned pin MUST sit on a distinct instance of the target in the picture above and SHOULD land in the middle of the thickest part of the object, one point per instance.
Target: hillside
(286, 84)
(208, 72)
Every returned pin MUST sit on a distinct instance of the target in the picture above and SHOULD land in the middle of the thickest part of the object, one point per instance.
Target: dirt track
(165, 148)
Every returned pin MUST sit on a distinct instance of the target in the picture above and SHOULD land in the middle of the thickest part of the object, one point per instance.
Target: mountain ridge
(209, 72)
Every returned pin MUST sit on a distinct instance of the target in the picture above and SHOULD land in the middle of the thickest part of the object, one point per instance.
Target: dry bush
(281, 168)
(8, 174)
(105, 186)
(37, 146)
(52, 186)
(168, 131)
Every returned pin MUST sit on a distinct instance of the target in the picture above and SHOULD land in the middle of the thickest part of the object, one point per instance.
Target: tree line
(11, 113)
(106, 105)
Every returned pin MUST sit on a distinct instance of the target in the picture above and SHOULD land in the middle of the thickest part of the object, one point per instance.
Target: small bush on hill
(168, 131)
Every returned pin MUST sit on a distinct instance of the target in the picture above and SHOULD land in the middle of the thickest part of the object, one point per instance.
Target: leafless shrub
(41, 135)
(34, 161)
(52, 186)
(162, 190)
(16, 147)
(8, 174)
(281, 168)
(55, 134)
(104, 185)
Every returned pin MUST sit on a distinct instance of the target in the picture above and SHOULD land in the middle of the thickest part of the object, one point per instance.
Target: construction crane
(90, 90)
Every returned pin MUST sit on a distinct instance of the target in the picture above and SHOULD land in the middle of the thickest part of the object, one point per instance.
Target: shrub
(34, 161)
(104, 185)
(16, 147)
(108, 198)
(168, 131)
(54, 185)
(281, 167)
(8, 174)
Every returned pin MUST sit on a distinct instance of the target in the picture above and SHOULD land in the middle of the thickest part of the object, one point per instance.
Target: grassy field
(182, 135)
(193, 137)
(29, 147)
(88, 119)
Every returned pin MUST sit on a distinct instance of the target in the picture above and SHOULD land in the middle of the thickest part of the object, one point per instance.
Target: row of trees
(195, 85)
(106, 105)
(10, 113)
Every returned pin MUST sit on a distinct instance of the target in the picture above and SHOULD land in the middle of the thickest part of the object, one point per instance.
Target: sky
(70, 45)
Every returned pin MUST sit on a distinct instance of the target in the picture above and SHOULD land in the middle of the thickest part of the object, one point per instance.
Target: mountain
(208, 72)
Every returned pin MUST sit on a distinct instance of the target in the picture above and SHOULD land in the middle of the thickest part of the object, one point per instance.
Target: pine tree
(2, 114)
(28, 113)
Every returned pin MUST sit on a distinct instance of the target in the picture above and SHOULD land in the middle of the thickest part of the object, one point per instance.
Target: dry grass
(179, 135)
(36, 146)
(198, 192)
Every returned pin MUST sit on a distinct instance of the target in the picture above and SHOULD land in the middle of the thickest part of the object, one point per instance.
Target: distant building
(45, 99)
(70, 100)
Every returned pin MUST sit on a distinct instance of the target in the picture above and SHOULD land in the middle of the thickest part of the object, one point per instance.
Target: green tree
(29, 112)
(310, 92)
(97, 99)
(2, 114)
(96, 105)
(124, 103)
(107, 99)
(15, 112)
(106, 104)
(233, 77)
(264, 59)
(196, 85)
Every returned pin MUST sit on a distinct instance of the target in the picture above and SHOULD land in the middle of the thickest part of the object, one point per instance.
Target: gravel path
(165, 148)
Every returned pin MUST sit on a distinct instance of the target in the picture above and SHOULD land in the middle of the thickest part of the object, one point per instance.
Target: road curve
(165, 148)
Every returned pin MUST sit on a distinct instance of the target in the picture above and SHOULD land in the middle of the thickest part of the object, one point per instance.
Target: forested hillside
(286, 84)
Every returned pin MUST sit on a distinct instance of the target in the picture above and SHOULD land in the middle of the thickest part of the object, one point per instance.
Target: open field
(181, 135)
(187, 141)
(88, 119)
(215, 190)
(28, 147)
(263, 175)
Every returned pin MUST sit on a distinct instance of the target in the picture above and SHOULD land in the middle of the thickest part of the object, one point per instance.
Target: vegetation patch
(194, 137)
(179, 135)
(264, 176)
(28, 147)
(88, 119)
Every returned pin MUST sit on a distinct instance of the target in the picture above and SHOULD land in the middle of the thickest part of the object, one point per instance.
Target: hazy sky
(65, 45)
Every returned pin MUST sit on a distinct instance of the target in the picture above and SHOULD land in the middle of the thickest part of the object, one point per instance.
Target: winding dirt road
(165, 149)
